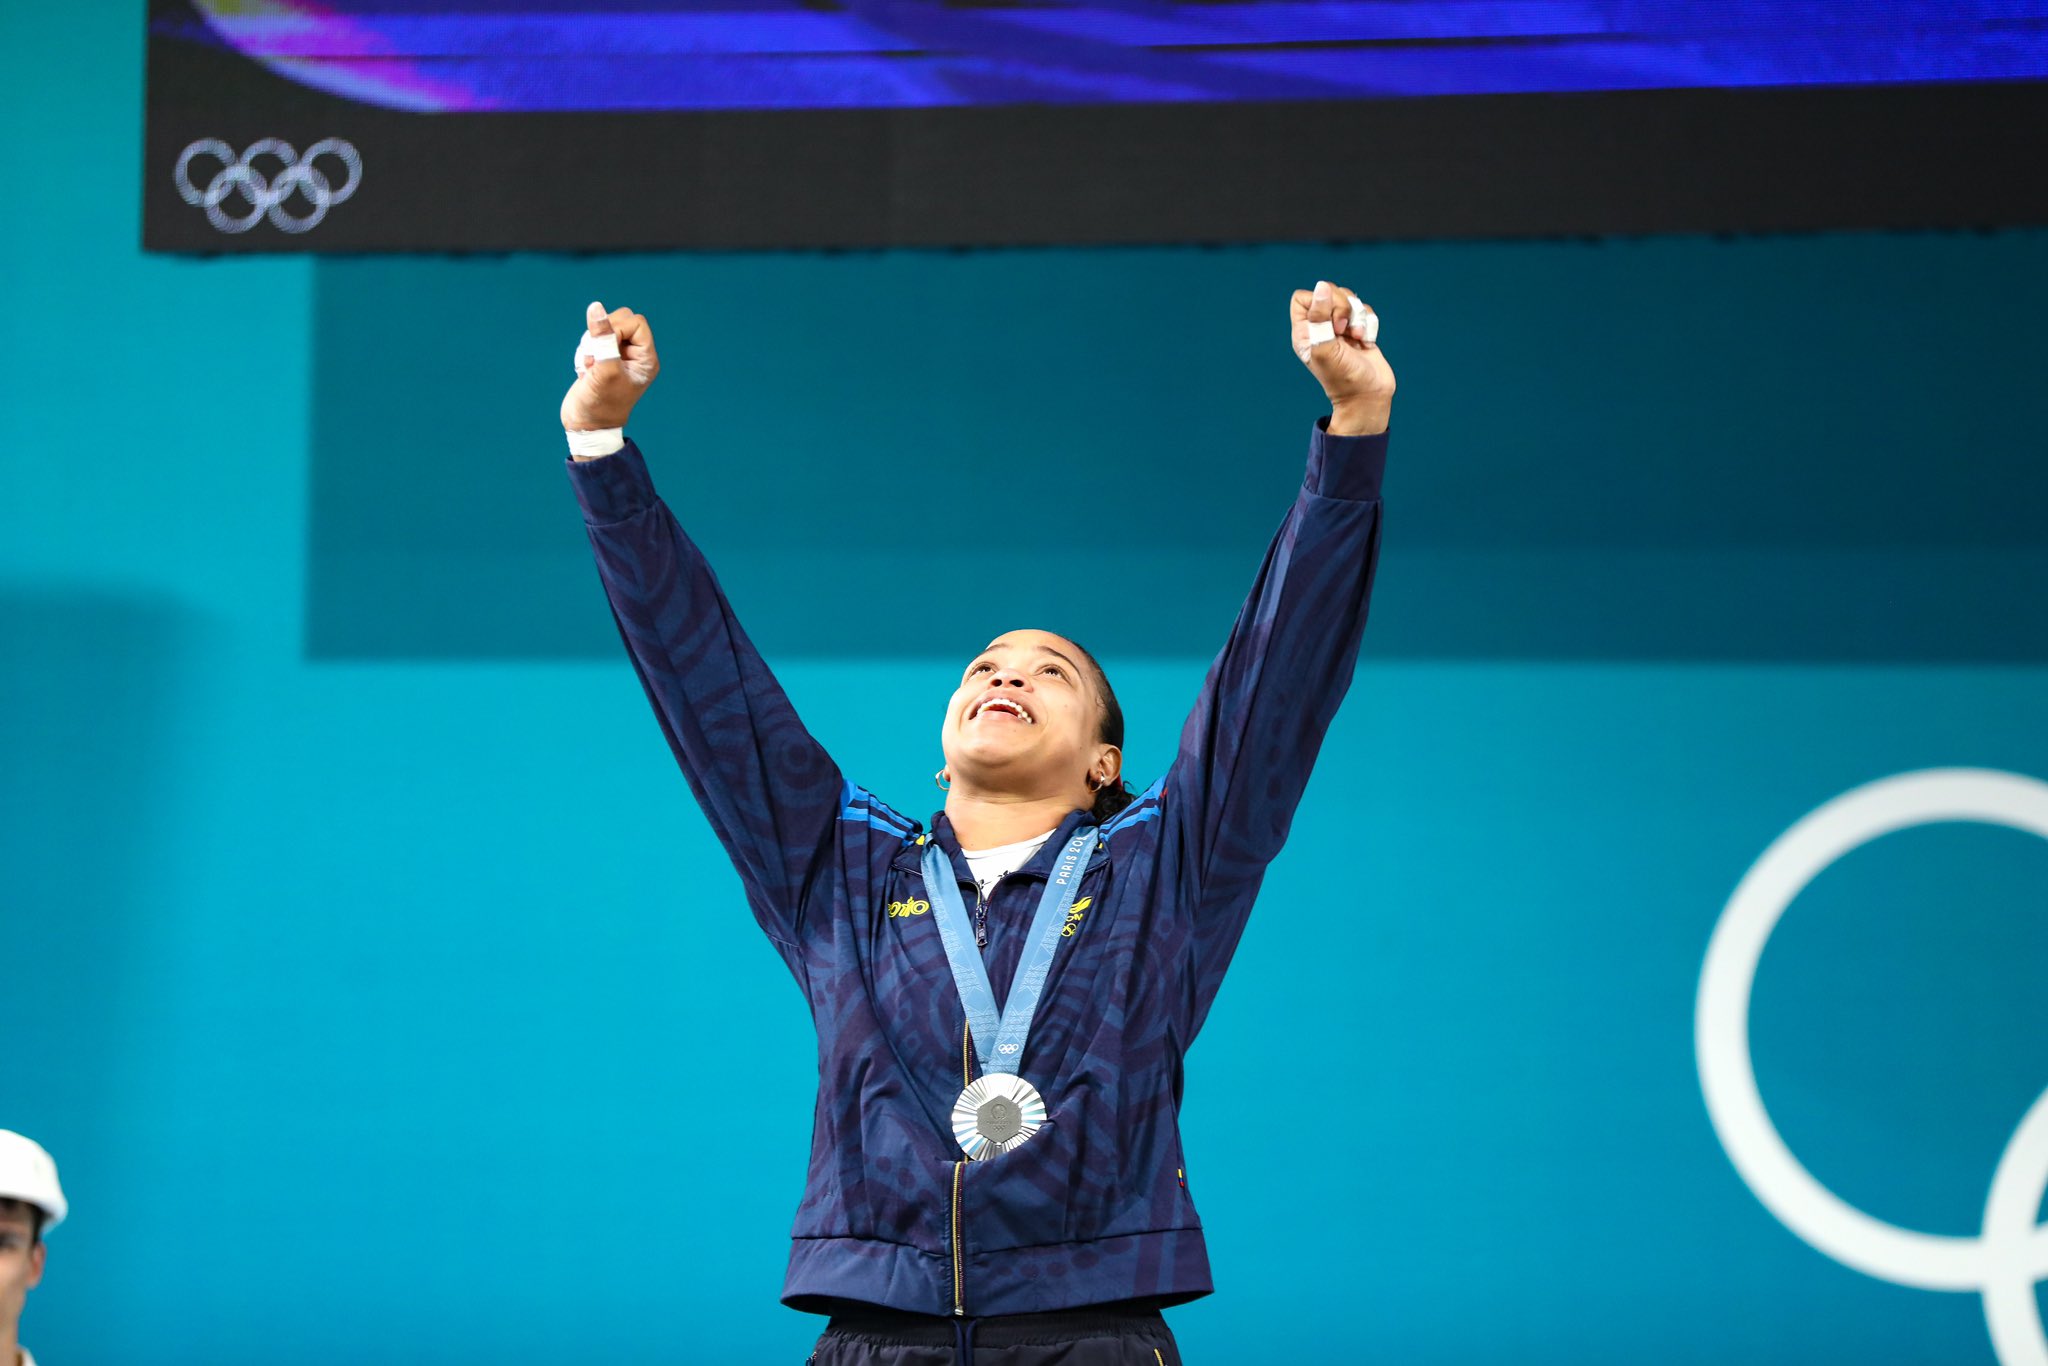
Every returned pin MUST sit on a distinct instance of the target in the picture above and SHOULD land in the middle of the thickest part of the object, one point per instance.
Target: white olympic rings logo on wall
(2004, 1261)
(267, 196)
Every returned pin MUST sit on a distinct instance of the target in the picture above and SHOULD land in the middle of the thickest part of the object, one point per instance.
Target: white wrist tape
(597, 348)
(601, 441)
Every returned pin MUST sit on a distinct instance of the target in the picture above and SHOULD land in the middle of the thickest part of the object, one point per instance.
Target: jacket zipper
(967, 1079)
(959, 1173)
(959, 1284)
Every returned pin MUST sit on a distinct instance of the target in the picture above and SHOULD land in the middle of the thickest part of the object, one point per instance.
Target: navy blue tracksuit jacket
(1094, 1208)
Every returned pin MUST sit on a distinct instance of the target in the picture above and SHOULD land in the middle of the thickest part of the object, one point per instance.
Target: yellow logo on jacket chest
(900, 909)
(1068, 930)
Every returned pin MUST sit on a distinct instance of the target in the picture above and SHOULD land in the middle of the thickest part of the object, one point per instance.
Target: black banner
(365, 178)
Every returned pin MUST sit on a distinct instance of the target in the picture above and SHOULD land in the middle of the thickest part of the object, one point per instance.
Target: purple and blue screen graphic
(468, 56)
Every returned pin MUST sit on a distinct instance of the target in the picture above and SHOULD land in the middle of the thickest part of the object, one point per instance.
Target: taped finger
(1364, 320)
(591, 350)
(1308, 336)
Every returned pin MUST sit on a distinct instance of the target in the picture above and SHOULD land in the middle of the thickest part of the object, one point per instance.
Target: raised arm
(771, 792)
(1247, 748)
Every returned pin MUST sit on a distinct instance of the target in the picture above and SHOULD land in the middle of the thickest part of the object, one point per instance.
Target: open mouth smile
(1001, 704)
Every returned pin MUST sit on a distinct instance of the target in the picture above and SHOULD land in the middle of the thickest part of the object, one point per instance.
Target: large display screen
(492, 124)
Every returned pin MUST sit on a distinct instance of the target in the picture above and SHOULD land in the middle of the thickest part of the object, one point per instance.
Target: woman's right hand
(605, 392)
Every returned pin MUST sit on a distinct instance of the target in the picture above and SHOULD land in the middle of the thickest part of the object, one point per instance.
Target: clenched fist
(1353, 371)
(606, 390)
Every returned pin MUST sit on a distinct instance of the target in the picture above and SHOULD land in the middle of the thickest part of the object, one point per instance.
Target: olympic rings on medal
(238, 178)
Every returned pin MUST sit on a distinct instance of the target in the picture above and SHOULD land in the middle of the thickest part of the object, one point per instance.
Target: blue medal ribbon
(999, 1036)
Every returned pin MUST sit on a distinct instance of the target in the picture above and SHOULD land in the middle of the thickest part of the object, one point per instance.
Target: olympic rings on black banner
(267, 197)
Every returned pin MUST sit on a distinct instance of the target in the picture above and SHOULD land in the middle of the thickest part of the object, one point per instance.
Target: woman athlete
(1003, 1000)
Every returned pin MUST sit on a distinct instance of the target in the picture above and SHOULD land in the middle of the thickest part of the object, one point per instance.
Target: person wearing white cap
(31, 1204)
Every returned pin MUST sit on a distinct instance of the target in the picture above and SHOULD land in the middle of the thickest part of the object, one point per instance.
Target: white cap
(29, 1174)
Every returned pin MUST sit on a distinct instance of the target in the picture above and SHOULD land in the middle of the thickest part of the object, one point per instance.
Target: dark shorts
(1099, 1336)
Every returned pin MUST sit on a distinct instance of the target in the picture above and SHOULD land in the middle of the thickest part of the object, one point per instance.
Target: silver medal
(995, 1114)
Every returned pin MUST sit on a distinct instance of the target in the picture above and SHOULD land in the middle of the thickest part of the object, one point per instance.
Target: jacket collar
(911, 856)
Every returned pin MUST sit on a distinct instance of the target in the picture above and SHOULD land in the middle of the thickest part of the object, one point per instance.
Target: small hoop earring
(1094, 783)
(944, 780)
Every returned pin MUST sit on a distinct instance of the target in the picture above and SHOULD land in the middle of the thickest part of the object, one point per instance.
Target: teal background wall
(371, 974)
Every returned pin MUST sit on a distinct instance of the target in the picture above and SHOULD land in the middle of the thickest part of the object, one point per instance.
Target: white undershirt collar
(989, 866)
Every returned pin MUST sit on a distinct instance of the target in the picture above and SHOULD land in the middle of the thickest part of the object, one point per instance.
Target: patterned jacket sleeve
(771, 792)
(1245, 753)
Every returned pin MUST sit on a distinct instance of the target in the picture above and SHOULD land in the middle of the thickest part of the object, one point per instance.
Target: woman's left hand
(1353, 371)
